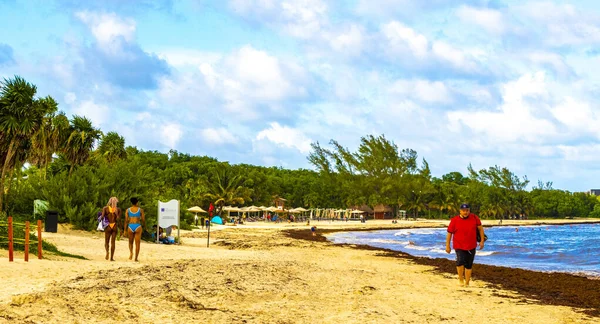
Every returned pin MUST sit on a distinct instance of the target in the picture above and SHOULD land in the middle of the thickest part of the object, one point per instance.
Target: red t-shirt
(464, 235)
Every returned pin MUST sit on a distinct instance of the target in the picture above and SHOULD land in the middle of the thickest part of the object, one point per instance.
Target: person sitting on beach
(463, 229)
(112, 213)
(134, 218)
(154, 229)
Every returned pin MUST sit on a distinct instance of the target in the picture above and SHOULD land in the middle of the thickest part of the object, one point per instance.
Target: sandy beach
(275, 273)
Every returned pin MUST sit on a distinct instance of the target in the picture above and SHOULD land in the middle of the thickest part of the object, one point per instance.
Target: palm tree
(226, 188)
(48, 140)
(112, 147)
(21, 115)
(416, 203)
(81, 140)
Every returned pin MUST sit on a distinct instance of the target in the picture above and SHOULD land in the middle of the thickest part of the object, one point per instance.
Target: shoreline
(262, 274)
(549, 288)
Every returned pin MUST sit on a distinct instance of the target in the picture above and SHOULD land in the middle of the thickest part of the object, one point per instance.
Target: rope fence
(25, 242)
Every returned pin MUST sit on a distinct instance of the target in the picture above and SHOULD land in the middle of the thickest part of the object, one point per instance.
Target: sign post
(208, 238)
(168, 215)
(211, 208)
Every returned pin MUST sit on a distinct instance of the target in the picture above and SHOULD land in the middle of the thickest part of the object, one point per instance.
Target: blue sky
(486, 82)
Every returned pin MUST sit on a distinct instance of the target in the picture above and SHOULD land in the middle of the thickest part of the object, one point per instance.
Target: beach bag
(102, 222)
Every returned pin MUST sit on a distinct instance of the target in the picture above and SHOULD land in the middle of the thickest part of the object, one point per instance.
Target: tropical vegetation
(76, 168)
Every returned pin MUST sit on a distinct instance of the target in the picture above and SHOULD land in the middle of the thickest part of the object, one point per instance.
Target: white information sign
(168, 214)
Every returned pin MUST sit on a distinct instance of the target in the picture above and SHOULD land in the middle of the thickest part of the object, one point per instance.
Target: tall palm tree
(48, 140)
(80, 142)
(21, 115)
(112, 147)
(226, 188)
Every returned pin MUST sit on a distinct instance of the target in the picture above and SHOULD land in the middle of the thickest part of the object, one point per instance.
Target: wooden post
(27, 241)
(10, 239)
(39, 239)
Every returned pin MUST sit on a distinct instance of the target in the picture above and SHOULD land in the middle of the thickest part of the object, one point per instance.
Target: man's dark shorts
(465, 258)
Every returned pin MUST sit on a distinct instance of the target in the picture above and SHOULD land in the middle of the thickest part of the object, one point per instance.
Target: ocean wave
(443, 251)
(418, 231)
(420, 248)
(388, 241)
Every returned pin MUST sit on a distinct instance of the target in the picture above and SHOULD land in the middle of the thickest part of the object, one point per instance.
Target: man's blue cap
(464, 206)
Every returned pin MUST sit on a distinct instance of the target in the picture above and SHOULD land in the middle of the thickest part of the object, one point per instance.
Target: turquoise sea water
(563, 248)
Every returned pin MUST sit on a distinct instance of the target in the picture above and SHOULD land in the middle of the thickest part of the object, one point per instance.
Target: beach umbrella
(196, 209)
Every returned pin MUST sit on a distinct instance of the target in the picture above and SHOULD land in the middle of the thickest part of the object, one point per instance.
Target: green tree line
(76, 168)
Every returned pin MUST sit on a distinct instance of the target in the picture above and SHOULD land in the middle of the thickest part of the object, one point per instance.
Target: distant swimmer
(411, 243)
(517, 230)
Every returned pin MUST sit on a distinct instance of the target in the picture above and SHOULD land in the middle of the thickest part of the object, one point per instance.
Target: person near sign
(111, 213)
(134, 220)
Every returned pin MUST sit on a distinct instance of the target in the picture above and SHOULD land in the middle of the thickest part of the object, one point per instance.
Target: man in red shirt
(463, 229)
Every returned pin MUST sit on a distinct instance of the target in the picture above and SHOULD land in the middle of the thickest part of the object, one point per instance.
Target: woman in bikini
(134, 219)
(111, 213)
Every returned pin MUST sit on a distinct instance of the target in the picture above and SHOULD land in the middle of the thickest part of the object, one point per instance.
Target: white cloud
(260, 72)
(303, 19)
(70, 98)
(143, 116)
(401, 38)
(516, 119)
(580, 153)
(247, 84)
(564, 23)
(578, 117)
(109, 30)
(183, 57)
(553, 61)
(422, 90)
(489, 19)
(349, 42)
(218, 136)
(286, 136)
(97, 113)
(151, 131)
(170, 134)
(453, 55)
(407, 9)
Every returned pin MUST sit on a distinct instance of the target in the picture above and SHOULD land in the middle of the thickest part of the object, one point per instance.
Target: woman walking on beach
(112, 213)
(134, 219)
